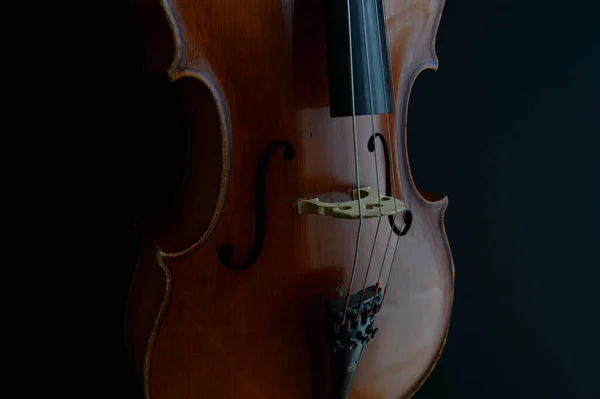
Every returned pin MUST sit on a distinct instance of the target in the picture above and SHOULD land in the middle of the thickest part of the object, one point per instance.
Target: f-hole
(225, 251)
(388, 185)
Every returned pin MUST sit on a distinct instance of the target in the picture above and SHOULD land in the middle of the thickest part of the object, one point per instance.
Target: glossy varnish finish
(252, 72)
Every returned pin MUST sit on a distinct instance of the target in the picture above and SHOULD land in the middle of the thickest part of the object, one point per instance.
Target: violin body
(228, 297)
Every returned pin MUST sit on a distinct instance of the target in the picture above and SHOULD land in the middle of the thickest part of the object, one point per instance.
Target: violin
(298, 259)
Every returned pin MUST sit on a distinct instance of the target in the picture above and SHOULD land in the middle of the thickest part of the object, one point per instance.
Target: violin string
(376, 156)
(387, 281)
(393, 177)
(395, 251)
(360, 212)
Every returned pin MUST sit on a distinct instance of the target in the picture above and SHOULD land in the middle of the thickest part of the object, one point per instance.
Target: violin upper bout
(197, 207)
(412, 28)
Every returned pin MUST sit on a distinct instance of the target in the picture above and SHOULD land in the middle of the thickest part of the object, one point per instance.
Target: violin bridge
(349, 210)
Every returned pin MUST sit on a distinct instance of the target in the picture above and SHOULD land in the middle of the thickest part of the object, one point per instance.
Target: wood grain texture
(253, 71)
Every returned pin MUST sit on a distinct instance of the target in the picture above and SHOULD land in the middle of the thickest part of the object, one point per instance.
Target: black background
(509, 129)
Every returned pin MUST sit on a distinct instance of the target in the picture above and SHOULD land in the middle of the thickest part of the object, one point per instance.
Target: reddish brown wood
(252, 72)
